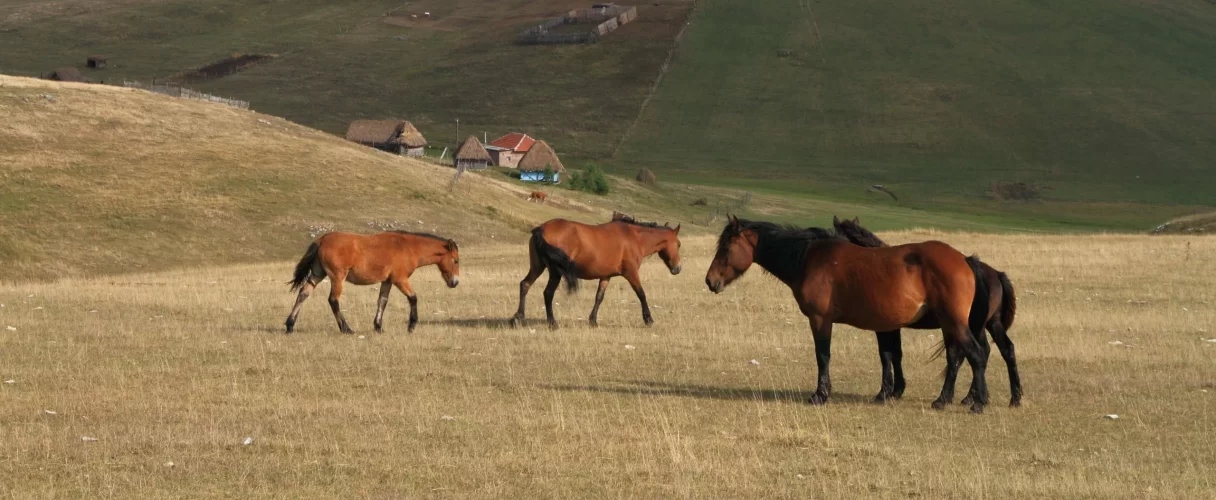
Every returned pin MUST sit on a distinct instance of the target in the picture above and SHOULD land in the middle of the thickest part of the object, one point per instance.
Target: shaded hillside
(1106, 105)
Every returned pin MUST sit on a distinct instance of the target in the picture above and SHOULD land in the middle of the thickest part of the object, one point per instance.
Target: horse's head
(670, 251)
(736, 251)
(449, 264)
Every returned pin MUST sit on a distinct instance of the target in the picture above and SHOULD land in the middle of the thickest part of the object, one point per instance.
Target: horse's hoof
(818, 399)
(516, 322)
(649, 321)
(593, 324)
(940, 404)
(552, 326)
(977, 409)
(412, 328)
(883, 397)
(967, 401)
(1015, 403)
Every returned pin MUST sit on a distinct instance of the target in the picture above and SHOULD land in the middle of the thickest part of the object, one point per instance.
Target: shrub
(548, 173)
(1019, 191)
(592, 180)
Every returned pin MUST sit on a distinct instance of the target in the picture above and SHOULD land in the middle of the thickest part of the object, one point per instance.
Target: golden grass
(180, 367)
(97, 179)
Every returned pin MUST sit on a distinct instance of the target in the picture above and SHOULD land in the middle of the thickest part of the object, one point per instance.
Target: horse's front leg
(636, 282)
(821, 329)
(404, 286)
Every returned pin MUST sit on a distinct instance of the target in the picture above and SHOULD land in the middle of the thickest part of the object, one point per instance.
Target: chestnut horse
(575, 251)
(387, 258)
(879, 289)
(539, 196)
(1002, 305)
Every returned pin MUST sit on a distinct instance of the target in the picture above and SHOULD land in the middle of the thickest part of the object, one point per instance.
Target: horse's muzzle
(454, 281)
(714, 286)
(676, 270)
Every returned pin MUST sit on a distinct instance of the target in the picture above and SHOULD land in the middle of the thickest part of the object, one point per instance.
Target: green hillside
(1106, 106)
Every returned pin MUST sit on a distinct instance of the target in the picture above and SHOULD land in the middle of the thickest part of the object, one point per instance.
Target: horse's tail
(979, 305)
(304, 267)
(1009, 303)
(555, 259)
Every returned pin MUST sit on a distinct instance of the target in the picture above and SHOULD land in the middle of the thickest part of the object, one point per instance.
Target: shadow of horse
(650, 388)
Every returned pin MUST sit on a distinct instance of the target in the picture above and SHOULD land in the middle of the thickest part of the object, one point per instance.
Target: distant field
(1104, 103)
(170, 373)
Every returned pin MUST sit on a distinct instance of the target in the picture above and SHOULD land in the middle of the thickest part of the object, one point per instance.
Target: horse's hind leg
(1001, 337)
(305, 291)
(385, 289)
(890, 352)
(534, 270)
(335, 292)
(555, 279)
(954, 359)
(599, 297)
(969, 399)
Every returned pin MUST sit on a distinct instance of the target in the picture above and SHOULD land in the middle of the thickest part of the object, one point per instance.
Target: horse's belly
(886, 320)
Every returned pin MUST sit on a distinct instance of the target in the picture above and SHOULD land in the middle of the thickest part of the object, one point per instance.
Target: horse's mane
(424, 235)
(781, 249)
(857, 235)
(620, 217)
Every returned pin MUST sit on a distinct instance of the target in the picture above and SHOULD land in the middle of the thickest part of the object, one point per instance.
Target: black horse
(1002, 306)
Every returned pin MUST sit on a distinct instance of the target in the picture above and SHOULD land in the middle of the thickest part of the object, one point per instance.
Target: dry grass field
(147, 386)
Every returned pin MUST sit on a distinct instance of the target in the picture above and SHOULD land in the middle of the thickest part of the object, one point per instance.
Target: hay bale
(645, 176)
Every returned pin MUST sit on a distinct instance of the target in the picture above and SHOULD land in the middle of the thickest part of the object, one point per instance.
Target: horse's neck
(784, 262)
(428, 253)
(652, 239)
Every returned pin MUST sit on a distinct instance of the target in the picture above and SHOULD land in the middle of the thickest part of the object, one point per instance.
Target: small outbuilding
(394, 136)
(471, 155)
(508, 150)
(65, 74)
(96, 62)
(540, 156)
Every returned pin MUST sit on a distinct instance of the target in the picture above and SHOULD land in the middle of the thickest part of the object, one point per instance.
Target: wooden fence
(185, 93)
(605, 20)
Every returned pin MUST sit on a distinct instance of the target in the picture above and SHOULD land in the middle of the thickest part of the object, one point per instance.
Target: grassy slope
(338, 61)
(104, 179)
(181, 366)
(1105, 102)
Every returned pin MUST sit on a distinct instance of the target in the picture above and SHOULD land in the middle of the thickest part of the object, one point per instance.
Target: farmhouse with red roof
(506, 151)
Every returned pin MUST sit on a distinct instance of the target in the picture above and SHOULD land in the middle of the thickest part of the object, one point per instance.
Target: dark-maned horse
(1002, 305)
(386, 258)
(575, 251)
(879, 289)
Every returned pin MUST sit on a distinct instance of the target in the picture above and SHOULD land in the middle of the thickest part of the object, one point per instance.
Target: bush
(591, 180)
(548, 173)
(1019, 191)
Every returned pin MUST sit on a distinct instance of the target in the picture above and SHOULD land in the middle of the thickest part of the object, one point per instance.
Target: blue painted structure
(537, 176)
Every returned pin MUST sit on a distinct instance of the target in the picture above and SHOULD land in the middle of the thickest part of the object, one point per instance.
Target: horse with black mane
(575, 251)
(388, 258)
(878, 289)
(1002, 305)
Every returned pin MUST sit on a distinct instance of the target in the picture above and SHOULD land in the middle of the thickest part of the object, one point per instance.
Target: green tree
(548, 174)
(592, 180)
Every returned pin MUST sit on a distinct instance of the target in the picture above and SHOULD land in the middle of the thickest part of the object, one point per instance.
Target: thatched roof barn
(540, 156)
(396, 136)
(471, 155)
(66, 74)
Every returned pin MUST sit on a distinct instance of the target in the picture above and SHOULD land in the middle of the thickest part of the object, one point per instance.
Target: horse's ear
(666, 224)
(857, 220)
(677, 229)
(835, 220)
(732, 220)
(452, 246)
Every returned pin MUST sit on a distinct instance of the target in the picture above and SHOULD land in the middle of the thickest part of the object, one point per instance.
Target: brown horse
(577, 251)
(879, 289)
(538, 196)
(386, 258)
(1002, 306)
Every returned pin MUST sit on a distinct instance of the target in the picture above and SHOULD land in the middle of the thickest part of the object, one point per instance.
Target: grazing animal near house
(879, 289)
(388, 258)
(538, 196)
(1002, 306)
(575, 251)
